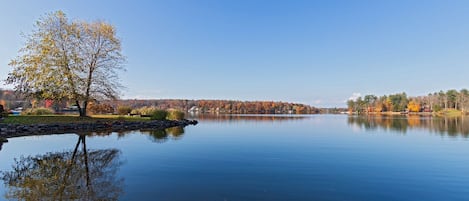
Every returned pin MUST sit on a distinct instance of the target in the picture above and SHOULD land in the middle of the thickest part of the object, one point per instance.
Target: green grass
(449, 113)
(52, 119)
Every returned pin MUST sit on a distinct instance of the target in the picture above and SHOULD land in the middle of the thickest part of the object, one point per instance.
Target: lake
(248, 157)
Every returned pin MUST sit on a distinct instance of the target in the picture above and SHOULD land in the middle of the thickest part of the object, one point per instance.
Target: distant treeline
(219, 106)
(242, 117)
(400, 102)
(11, 100)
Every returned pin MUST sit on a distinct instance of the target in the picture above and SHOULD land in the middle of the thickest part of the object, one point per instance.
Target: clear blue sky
(313, 52)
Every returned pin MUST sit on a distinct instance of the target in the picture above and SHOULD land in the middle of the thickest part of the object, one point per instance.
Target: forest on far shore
(11, 100)
(219, 106)
(400, 102)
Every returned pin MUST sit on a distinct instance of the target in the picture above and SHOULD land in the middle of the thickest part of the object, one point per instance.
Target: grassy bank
(449, 113)
(52, 119)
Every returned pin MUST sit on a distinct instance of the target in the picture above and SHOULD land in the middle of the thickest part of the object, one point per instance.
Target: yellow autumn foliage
(413, 106)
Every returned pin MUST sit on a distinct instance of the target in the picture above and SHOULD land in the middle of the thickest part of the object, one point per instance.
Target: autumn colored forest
(400, 102)
(12, 100)
(219, 106)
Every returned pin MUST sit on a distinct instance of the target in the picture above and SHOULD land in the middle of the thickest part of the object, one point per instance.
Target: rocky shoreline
(18, 130)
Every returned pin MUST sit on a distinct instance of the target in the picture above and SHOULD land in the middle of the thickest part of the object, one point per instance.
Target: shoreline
(20, 130)
(434, 114)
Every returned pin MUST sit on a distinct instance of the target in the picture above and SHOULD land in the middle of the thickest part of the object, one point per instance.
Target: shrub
(144, 111)
(2, 111)
(101, 109)
(147, 111)
(4, 114)
(158, 115)
(124, 110)
(135, 112)
(175, 115)
(38, 111)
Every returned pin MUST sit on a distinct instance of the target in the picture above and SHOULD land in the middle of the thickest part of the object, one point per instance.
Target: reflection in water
(156, 135)
(162, 135)
(69, 175)
(444, 126)
(234, 117)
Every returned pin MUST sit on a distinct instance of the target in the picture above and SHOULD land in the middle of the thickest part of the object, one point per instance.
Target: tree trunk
(85, 106)
(80, 110)
(87, 169)
(88, 87)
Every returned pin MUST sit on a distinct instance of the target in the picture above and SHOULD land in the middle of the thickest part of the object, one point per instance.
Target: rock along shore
(18, 130)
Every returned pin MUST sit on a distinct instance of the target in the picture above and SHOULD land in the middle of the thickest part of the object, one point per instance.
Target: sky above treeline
(319, 53)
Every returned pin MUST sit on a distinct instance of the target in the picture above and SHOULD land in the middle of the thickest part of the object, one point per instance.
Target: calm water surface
(248, 158)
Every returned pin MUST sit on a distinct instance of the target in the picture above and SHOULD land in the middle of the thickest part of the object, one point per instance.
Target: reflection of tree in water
(452, 126)
(163, 135)
(156, 135)
(71, 175)
(176, 132)
(375, 122)
(444, 126)
(159, 136)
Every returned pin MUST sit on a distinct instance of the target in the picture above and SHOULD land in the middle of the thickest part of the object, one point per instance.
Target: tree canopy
(451, 99)
(69, 60)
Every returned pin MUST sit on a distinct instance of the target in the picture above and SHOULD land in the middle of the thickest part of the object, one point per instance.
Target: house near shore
(193, 109)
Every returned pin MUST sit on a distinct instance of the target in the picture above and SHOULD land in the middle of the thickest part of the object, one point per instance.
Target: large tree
(69, 60)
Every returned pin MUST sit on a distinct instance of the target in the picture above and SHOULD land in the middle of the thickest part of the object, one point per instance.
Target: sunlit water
(317, 157)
